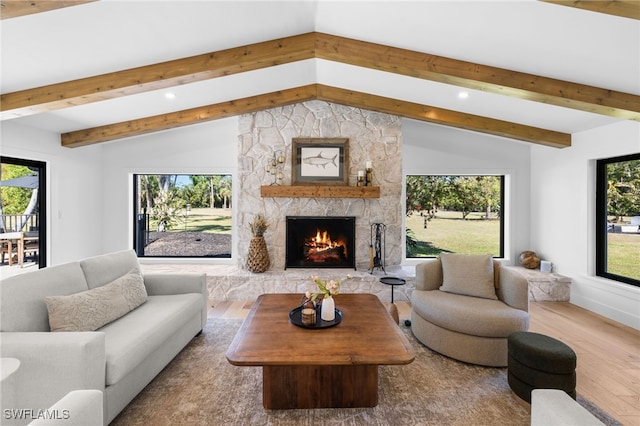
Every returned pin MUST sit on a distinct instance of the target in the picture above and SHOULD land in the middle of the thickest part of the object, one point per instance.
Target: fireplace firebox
(320, 242)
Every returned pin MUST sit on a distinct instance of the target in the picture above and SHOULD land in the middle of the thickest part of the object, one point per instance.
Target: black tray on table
(295, 316)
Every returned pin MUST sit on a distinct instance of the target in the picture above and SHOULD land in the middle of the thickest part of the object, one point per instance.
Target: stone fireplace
(372, 136)
(320, 242)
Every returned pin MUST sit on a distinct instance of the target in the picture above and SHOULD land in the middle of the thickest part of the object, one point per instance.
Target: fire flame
(322, 241)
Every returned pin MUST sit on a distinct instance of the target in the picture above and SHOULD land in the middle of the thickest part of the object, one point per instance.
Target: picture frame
(320, 161)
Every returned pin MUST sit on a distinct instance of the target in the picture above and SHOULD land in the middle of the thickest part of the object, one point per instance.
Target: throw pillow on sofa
(89, 310)
(469, 275)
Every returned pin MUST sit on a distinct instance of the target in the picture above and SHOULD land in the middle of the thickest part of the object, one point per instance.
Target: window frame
(504, 211)
(43, 208)
(136, 208)
(601, 219)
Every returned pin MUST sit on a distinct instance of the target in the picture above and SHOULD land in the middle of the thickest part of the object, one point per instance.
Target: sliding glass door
(22, 212)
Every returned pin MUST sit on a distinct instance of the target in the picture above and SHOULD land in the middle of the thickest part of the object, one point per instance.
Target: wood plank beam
(623, 8)
(187, 117)
(445, 117)
(313, 191)
(476, 76)
(323, 46)
(315, 91)
(157, 76)
(15, 8)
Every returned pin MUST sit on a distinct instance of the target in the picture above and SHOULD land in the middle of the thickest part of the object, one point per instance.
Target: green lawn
(623, 255)
(448, 232)
(215, 221)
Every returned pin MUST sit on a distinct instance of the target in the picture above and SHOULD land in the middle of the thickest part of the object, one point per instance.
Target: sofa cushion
(131, 339)
(469, 315)
(91, 309)
(101, 270)
(22, 305)
(470, 275)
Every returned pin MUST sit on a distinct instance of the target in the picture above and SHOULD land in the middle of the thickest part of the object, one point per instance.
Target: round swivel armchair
(466, 306)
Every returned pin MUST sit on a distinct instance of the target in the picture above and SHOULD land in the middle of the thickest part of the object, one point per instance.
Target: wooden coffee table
(331, 367)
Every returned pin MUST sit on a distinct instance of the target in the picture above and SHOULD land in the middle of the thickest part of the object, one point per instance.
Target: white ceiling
(528, 36)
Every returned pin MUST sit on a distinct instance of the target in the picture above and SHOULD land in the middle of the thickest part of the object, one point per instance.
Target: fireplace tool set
(377, 247)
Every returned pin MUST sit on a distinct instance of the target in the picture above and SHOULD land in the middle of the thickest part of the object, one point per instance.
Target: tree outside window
(454, 214)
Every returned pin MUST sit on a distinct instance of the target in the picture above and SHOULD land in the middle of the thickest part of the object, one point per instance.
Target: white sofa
(77, 408)
(121, 357)
(554, 407)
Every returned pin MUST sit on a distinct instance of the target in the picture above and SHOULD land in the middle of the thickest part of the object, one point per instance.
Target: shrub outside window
(454, 214)
(182, 215)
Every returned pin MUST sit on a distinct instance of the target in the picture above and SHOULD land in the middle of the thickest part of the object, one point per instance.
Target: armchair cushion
(469, 315)
(91, 309)
(468, 275)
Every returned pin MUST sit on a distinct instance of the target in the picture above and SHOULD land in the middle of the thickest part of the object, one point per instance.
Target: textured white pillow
(89, 310)
(470, 275)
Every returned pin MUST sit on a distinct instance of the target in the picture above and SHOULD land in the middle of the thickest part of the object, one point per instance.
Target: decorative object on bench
(465, 307)
(258, 257)
(529, 259)
(119, 358)
(537, 361)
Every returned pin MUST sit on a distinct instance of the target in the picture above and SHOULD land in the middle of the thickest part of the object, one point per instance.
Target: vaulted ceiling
(532, 71)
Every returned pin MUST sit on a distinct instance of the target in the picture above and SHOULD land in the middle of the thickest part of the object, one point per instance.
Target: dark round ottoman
(536, 361)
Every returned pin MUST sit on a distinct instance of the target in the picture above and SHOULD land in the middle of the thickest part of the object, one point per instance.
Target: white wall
(433, 149)
(562, 226)
(200, 149)
(74, 199)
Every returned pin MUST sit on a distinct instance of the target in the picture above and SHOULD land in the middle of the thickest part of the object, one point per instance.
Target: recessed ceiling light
(170, 95)
(463, 95)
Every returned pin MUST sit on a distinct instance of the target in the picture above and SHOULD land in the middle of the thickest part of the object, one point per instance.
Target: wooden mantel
(320, 191)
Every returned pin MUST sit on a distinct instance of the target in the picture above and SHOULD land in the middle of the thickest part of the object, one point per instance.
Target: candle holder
(361, 178)
(275, 167)
(368, 180)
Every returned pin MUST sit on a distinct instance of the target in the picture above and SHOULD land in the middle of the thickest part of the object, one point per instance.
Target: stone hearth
(228, 282)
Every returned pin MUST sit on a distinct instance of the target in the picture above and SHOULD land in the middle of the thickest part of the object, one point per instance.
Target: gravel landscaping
(193, 244)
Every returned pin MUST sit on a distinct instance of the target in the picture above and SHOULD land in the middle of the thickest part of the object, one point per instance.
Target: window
(23, 208)
(182, 215)
(454, 214)
(618, 219)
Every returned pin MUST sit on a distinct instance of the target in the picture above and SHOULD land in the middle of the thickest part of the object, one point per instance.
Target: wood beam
(305, 93)
(187, 117)
(157, 76)
(15, 8)
(476, 76)
(445, 117)
(323, 46)
(623, 8)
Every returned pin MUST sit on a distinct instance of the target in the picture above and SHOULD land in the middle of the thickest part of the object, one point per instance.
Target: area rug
(200, 387)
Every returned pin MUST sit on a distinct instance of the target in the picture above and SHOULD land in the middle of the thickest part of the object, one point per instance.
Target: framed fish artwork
(320, 161)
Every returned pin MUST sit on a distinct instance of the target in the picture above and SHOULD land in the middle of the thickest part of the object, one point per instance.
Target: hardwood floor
(608, 371)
